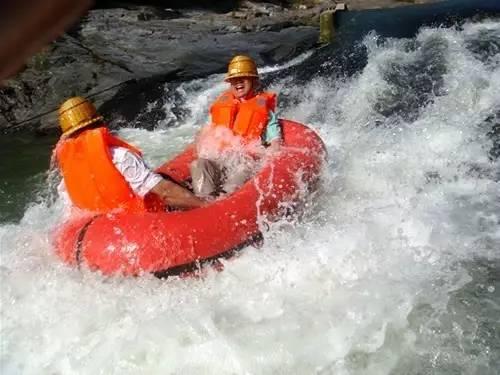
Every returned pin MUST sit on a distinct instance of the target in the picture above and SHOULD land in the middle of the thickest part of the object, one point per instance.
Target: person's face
(241, 86)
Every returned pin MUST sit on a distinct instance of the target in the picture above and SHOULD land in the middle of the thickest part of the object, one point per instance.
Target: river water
(393, 269)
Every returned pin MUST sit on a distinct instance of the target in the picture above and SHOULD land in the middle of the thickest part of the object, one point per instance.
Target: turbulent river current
(393, 268)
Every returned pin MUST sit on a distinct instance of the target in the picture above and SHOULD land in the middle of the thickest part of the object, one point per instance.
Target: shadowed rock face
(111, 48)
(229, 5)
(218, 6)
(131, 43)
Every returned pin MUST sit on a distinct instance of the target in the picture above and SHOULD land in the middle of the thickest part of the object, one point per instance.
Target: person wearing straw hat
(102, 173)
(243, 120)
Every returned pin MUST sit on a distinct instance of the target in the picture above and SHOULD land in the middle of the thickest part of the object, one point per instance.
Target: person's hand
(274, 146)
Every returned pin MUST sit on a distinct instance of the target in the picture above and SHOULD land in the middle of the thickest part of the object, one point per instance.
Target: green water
(25, 160)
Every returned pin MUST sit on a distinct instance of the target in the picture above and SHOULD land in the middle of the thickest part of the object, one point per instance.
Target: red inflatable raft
(131, 244)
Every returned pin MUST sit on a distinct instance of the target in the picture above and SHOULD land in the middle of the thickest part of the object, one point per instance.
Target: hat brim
(240, 75)
(83, 125)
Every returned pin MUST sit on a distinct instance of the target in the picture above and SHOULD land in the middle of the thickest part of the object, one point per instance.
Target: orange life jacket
(247, 119)
(92, 180)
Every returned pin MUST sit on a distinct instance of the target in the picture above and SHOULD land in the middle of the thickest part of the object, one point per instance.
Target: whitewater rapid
(390, 270)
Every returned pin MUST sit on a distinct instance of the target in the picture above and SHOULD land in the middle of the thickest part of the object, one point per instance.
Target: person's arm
(272, 135)
(274, 146)
(144, 181)
(176, 196)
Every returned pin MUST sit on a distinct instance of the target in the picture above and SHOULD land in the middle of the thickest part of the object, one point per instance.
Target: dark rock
(110, 49)
(149, 14)
(221, 6)
(74, 70)
(266, 47)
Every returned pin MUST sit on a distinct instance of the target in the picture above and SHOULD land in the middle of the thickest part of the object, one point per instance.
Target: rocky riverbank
(114, 48)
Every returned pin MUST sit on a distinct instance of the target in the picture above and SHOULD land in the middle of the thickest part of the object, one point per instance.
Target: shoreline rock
(112, 49)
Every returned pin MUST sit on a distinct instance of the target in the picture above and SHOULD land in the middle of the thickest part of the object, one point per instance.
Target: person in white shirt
(102, 173)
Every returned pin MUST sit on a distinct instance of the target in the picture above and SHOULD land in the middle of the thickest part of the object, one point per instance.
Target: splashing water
(393, 269)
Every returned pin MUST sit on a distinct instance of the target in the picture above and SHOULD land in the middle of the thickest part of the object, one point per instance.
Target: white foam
(403, 204)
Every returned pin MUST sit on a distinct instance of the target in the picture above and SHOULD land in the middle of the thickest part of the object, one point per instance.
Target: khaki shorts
(210, 178)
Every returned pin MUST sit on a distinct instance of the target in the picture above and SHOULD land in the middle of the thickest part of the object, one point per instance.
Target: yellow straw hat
(241, 66)
(77, 113)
